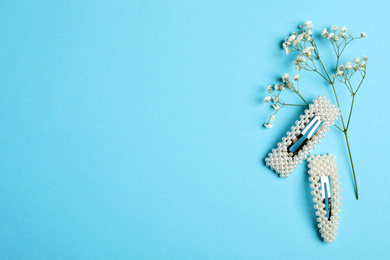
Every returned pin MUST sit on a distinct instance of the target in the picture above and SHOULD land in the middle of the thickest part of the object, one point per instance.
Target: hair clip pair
(296, 146)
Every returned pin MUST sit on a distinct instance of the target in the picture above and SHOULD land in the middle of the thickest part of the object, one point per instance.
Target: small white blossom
(308, 51)
(309, 25)
(309, 38)
(335, 38)
(272, 118)
(285, 77)
(341, 67)
(362, 64)
(299, 38)
(287, 50)
(276, 87)
(309, 32)
(334, 28)
(301, 26)
(363, 34)
(343, 29)
(267, 99)
(275, 106)
(348, 65)
(281, 87)
(356, 60)
(342, 35)
(324, 33)
(355, 67)
(268, 125)
(275, 99)
(269, 88)
(339, 73)
(330, 36)
(298, 68)
(365, 57)
(296, 77)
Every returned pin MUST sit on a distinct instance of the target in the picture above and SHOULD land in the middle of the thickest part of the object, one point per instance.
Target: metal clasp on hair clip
(324, 179)
(315, 122)
(303, 133)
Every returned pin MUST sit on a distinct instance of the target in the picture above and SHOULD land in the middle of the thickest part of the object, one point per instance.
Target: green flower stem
(295, 105)
(353, 168)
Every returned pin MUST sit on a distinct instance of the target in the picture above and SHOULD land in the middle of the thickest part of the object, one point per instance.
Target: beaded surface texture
(325, 166)
(281, 159)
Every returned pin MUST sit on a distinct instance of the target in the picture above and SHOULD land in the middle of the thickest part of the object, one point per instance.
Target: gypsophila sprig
(308, 58)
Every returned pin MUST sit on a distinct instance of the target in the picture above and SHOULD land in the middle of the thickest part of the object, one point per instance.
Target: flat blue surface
(133, 130)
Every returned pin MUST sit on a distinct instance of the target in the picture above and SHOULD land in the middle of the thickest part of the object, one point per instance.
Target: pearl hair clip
(308, 131)
(321, 169)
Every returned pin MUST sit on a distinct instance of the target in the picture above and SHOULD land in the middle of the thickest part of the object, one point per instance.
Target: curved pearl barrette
(321, 168)
(320, 116)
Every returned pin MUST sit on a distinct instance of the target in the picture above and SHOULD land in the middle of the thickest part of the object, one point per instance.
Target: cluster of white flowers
(334, 36)
(345, 71)
(293, 42)
(274, 100)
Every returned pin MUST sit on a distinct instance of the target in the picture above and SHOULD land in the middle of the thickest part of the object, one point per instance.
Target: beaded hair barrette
(302, 138)
(321, 169)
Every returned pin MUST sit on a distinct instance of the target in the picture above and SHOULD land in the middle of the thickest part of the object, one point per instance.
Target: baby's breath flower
(362, 65)
(287, 50)
(334, 28)
(365, 57)
(267, 99)
(299, 38)
(341, 67)
(275, 106)
(268, 125)
(286, 77)
(342, 35)
(281, 87)
(298, 68)
(308, 51)
(301, 26)
(363, 34)
(296, 77)
(309, 32)
(324, 33)
(309, 25)
(356, 60)
(335, 38)
(269, 88)
(276, 87)
(343, 29)
(355, 67)
(275, 99)
(330, 36)
(309, 38)
(272, 118)
(339, 73)
(348, 65)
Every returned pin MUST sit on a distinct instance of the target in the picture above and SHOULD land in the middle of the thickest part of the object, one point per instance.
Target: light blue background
(133, 130)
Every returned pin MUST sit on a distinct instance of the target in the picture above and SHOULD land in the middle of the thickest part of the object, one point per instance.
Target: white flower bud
(296, 77)
(363, 34)
(272, 118)
(334, 28)
(324, 33)
(268, 125)
(286, 77)
(267, 99)
(365, 57)
(330, 36)
(343, 29)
